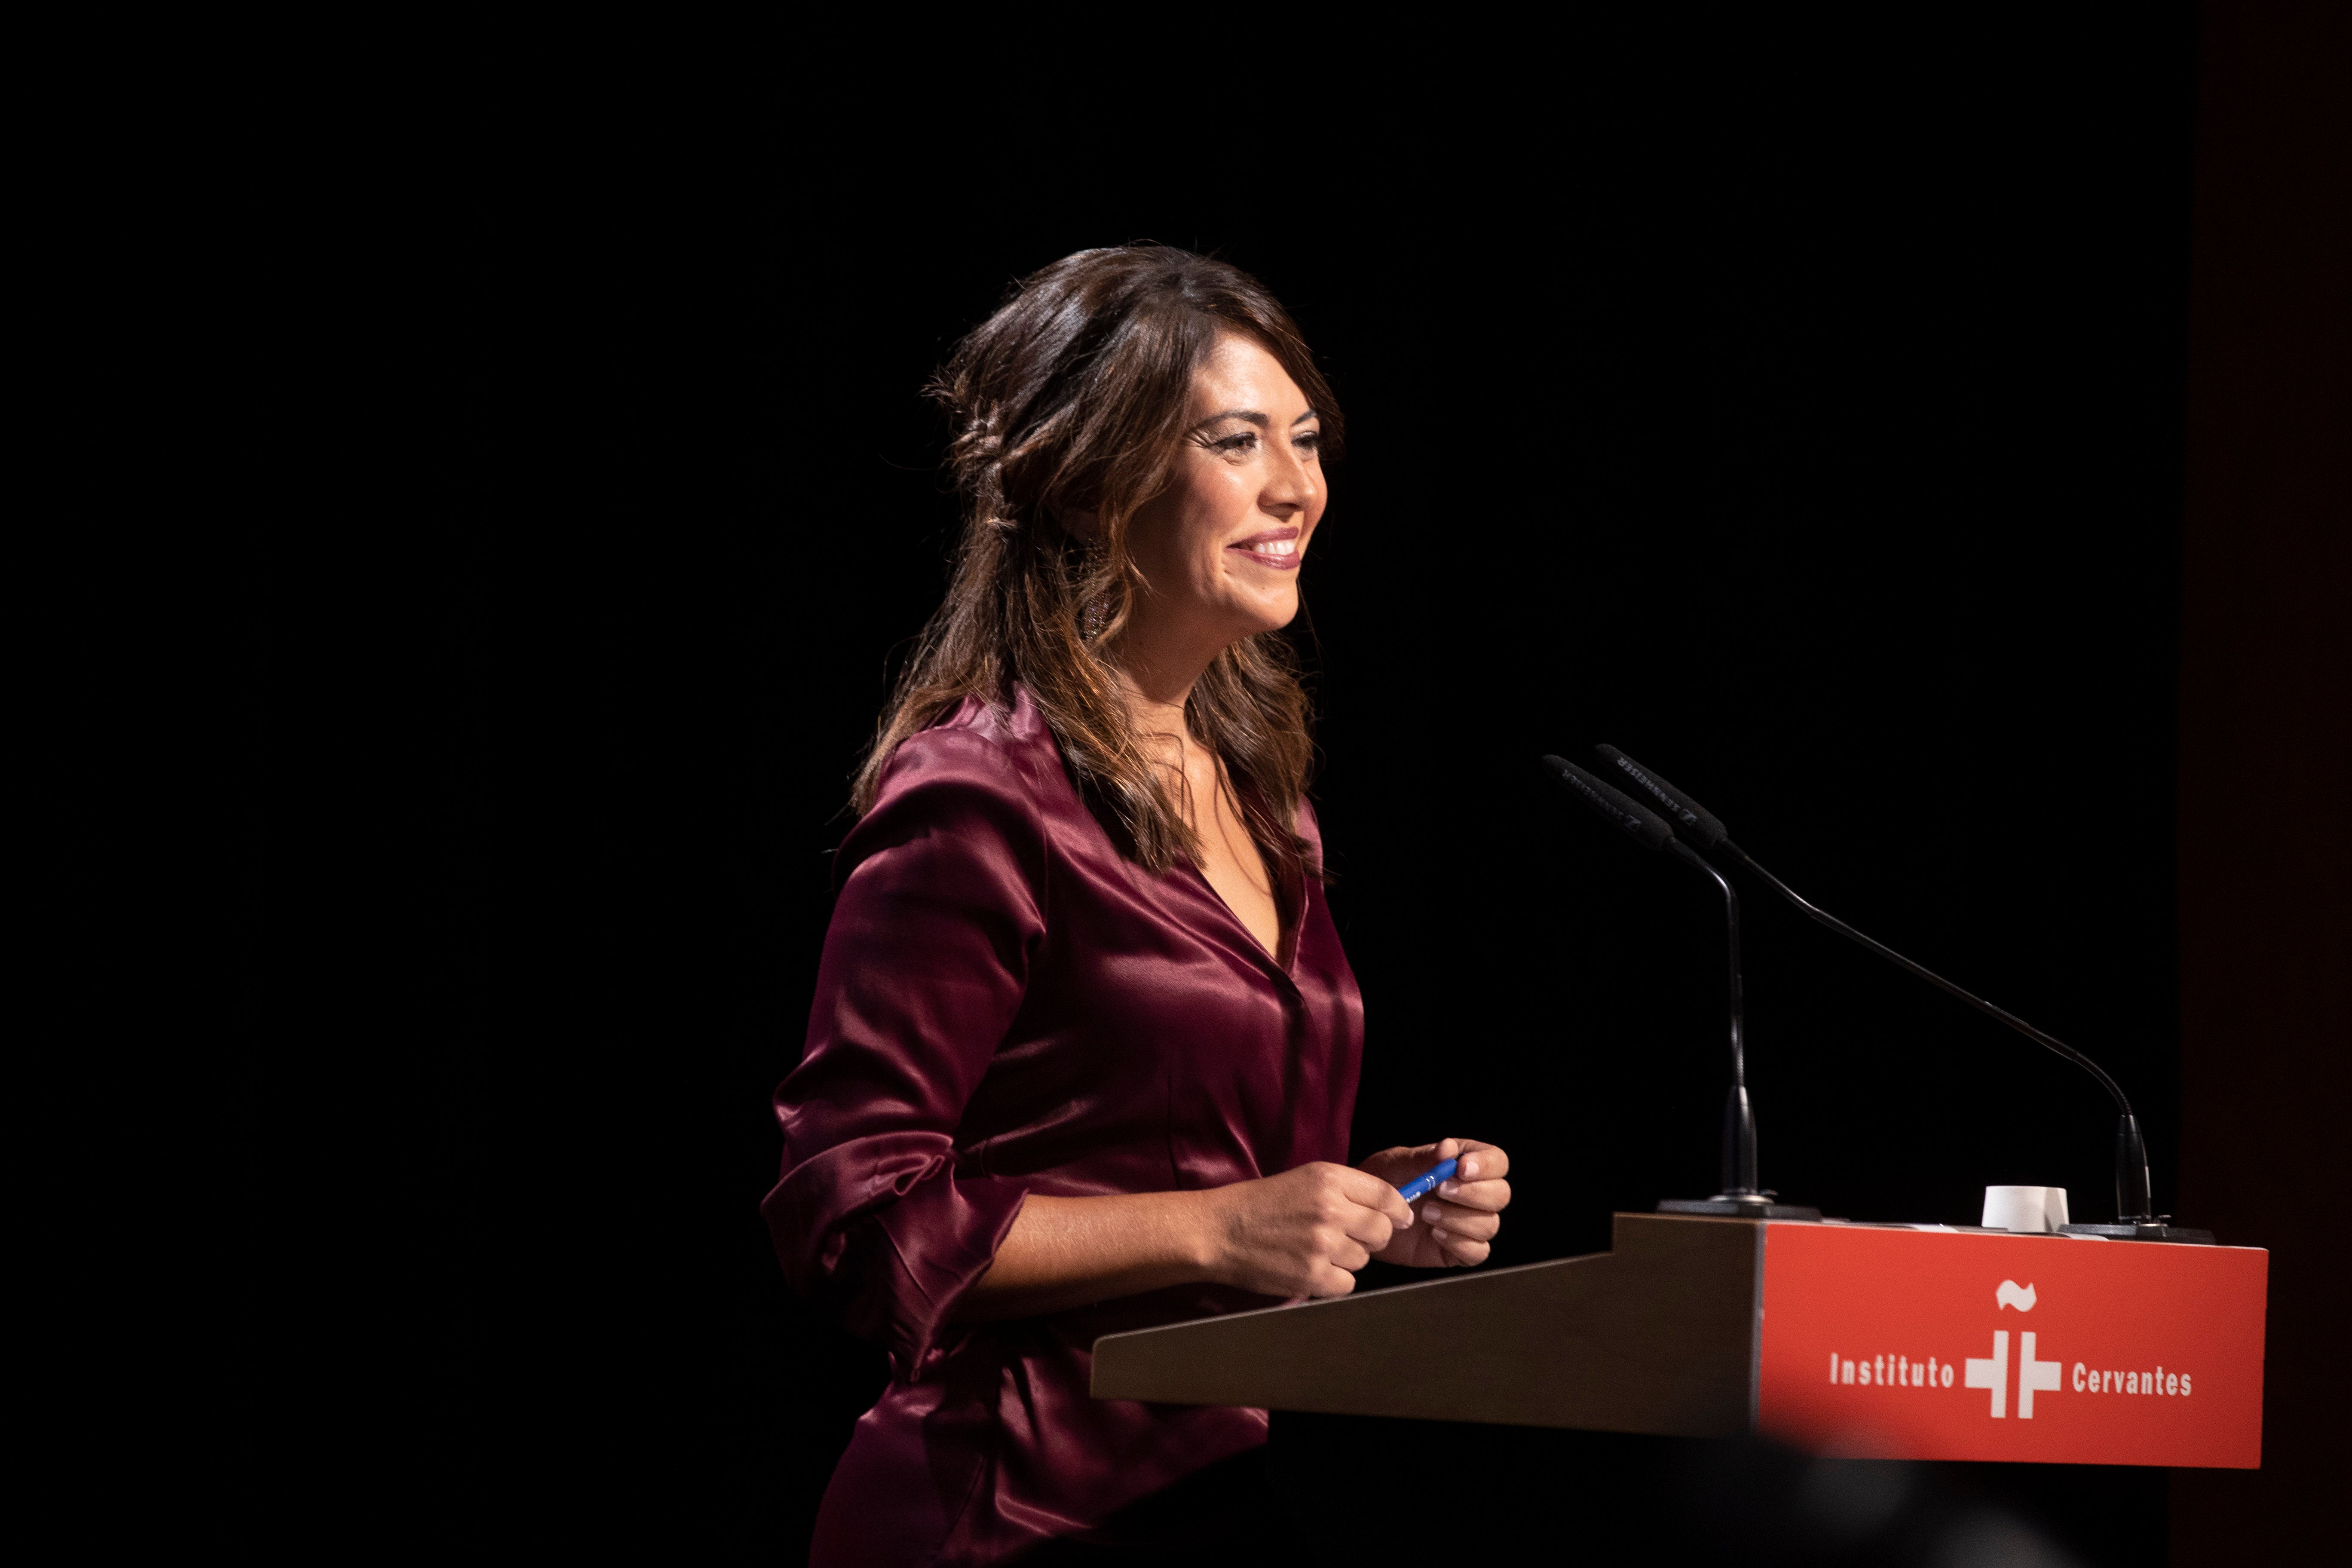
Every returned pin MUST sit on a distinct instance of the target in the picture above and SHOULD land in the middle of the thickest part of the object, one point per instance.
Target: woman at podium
(1084, 1046)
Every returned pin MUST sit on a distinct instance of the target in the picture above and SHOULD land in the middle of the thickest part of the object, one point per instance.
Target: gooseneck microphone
(1740, 1193)
(2133, 1202)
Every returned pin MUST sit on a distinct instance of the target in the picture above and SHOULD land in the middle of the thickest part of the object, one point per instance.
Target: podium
(1885, 1341)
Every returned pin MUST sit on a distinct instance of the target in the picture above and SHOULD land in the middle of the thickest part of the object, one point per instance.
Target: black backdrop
(1814, 435)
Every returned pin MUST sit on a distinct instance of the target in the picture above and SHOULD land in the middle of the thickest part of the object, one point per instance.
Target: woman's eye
(1309, 441)
(1240, 443)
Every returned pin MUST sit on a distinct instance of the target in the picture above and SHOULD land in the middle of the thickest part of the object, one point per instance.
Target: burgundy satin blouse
(1007, 1005)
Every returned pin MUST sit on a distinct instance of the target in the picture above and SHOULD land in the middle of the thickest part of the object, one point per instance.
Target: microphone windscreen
(1686, 814)
(1630, 815)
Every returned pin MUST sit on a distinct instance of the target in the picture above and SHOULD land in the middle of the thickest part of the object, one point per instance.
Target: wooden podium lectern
(1873, 1340)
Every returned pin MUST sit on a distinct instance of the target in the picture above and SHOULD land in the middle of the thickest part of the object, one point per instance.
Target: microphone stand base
(1727, 1207)
(2146, 1230)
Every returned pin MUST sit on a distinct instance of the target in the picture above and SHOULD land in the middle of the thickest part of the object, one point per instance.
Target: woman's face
(1221, 546)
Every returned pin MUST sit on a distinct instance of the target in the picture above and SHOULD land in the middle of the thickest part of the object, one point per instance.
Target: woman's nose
(1291, 486)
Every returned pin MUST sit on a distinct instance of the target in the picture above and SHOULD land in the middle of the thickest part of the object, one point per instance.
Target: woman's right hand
(1302, 1233)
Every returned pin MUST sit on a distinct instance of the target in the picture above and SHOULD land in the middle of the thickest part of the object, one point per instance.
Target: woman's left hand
(1455, 1226)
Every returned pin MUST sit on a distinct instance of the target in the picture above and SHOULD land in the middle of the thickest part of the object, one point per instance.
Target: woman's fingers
(1479, 1162)
(1366, 1211)
(1330, 1280)
(1368, 1229)
(1304, 1231)
(1493, 1197)
(1449, 1220)
(1370, 1193)
(1466, 1253)
(1478, 1179)
(1463, 1237)
(1307, 1230)
(1465, 1215)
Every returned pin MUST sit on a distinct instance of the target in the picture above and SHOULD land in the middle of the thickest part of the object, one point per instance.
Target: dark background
(1815, 433)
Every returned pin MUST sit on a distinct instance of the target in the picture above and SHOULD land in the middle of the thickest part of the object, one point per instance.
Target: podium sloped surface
(1657, 1335)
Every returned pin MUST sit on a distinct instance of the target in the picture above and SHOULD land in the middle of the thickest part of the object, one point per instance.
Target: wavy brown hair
(1069, 403)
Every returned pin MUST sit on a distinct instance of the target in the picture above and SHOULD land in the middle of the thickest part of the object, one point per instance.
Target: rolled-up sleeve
(938, 917)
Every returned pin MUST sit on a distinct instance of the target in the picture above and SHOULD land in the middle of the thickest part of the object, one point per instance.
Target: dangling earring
(1092, 620)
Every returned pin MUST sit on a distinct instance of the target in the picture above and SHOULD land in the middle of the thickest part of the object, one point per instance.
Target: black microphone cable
(2133, 1200)
(1646, 829)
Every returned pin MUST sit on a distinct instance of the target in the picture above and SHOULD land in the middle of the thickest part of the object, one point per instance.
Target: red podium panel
(1964, 1345)
(1943, 1344)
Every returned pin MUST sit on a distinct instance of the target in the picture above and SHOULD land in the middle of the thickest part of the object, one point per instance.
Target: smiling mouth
(1275, 548)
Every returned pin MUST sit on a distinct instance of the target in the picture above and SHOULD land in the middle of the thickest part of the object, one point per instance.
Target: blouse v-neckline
(1287, 927)
(1284, 929)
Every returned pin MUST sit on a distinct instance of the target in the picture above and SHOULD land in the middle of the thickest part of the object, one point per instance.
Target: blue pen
(1422, 1184)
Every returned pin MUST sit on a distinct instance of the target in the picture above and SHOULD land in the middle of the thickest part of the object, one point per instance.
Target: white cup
(2024, 1208)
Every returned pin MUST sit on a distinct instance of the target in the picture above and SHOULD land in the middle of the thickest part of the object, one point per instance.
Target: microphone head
(1686, 814)
(1630, 816)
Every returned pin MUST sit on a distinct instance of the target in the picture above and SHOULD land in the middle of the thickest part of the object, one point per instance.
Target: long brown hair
(1070, 400)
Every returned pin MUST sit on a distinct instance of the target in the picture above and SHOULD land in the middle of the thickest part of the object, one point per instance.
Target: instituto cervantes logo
(1990, 1373)
(1993, 1371)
